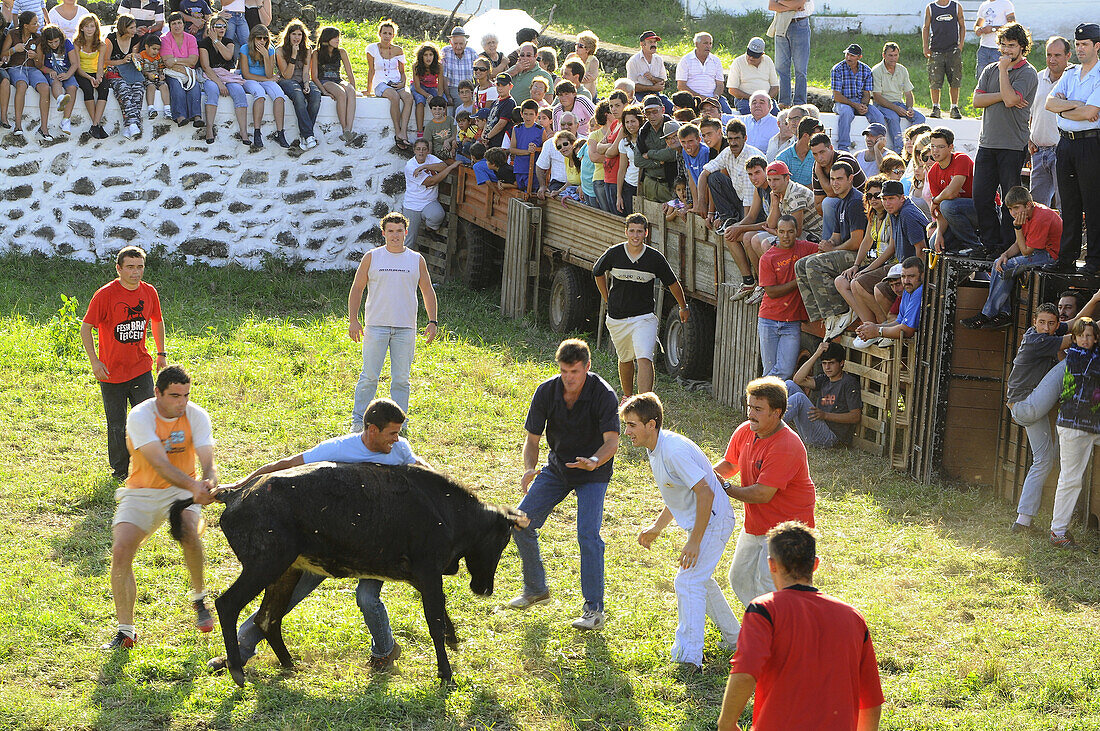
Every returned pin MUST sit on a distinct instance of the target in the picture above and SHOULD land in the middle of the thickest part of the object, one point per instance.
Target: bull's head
(483, 557)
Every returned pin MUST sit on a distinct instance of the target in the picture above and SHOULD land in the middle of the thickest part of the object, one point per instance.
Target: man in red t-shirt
(781, 310)
(1038, 236)
(775, 483)
(951, 182)
(808, 656)
(121, 312)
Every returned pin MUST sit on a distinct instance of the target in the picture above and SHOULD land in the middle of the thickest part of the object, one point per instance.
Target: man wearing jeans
(779, 324)
(381, 443)
(1038, 235)
(832, 417)
(852, 83)
(1044, 126)
(390, 274)
(951, 182)
(893, 94)
(578, 412)
(775, 483)
(791, 29)
(122, 312)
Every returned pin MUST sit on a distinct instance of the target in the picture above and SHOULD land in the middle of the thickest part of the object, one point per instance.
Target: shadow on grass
(87, 546)
(141, 696)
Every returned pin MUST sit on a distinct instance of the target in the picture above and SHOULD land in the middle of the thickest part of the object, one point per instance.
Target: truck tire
(689, 346)
(572, 300)
(482, 258)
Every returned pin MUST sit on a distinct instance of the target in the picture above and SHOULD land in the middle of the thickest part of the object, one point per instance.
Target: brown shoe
(382, 664)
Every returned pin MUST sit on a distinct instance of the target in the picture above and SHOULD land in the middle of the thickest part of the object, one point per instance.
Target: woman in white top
(386, 78)
(628, 173)
(67, 16)
(237, 32)
(485, 91)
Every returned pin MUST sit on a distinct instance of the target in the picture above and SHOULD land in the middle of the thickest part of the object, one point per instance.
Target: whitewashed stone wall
(223, 203)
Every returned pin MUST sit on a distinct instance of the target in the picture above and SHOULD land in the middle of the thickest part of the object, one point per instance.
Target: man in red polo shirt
(775, 483)
(951, 182)
(808, 656)
(121, 312)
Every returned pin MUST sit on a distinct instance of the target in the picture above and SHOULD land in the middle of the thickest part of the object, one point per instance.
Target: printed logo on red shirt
(131, 330)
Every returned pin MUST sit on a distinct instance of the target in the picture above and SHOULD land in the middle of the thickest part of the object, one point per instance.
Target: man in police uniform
(1076, 101)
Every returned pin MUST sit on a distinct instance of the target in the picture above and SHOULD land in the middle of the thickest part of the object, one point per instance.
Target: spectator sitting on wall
(852, 83)
(833, 416)
(646, 69)
(893, 94)
(1038, 235)
(951, 182)
(458, 63)
(759, 122)
(908, 320)
(756, 217)
(701, 72)
(870, 159)
(781, 310)
(751, 72)
(784, 138)
(876, 253)
(725, 189)
(824, 158)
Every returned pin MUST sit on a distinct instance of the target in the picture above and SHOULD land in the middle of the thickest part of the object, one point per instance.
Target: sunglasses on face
(874, 196)
(219, 26)
(563, 145)
(480, 68)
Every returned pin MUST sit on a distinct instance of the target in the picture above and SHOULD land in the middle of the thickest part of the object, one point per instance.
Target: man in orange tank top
(164, 435)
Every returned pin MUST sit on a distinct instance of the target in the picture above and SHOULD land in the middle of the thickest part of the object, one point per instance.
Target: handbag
(186, 77)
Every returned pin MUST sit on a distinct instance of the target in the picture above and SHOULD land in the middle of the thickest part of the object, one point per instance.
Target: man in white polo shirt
(701, 72)
(694, 498)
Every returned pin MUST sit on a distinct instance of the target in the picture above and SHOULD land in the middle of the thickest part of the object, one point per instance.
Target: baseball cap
(855, 49)
(482, 113)
(755, 47)
(877, 129)
(893, 187)
(647, 35)
(895, 271)
(653, 101)
(670, 128)
(503, 79)
(778, 168)
(458, 30)
(710, 100)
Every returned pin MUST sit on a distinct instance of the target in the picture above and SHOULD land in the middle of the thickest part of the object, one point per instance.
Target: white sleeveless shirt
(391, 288)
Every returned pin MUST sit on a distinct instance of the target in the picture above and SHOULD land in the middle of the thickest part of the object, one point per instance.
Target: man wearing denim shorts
(164, 434)
(629, 296)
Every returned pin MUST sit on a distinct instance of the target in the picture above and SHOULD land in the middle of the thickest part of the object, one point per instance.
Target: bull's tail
(175, 513)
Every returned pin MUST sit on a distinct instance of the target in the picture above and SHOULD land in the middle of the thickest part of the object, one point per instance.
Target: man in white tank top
(390, 275)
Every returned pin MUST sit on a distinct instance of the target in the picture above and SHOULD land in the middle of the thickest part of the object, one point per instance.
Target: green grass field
(975, 629)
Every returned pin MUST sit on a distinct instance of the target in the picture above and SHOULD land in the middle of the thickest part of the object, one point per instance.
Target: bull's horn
(518, 518)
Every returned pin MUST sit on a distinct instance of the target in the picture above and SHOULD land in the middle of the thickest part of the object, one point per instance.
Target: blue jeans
(986, 56)
(602, 202)
(186, 103)
(368, 595)
(236, 93)
(779, 344)
(237, 30)
(814, 433)
(1044, 454)
(962, 220)
(830, 222)
(545, 492)
(1000, 285)
(794, 48)
(893, 125)
(1044, 176)
(844, 116)
(401, 344)
(306, 101)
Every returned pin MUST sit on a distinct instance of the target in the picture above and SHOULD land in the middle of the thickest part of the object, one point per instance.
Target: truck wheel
(572, 300)
(689, 346)
(481, 260)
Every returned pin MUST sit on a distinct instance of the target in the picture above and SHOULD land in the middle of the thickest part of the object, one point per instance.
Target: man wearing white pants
(633, 326)
(775, 483)
(694, 499)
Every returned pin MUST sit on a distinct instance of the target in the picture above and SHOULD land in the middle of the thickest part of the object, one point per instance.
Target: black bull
(354, 520)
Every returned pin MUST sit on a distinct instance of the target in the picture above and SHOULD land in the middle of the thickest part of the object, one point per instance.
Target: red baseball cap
(778, 168)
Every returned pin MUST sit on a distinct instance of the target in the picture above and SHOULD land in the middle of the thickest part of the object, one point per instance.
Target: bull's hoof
(451, 642)
(447, 683)
(238, 676)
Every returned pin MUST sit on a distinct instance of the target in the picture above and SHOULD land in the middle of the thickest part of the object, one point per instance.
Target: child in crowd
(466, 96)
(1078, 425)
(527, 139)
(475, 155)
(678, 207)
(546, 121)
(427, 81)
(440, 130)
(466, 133)
(495, 169)
(627, 182)
(539, 87)
(151, 66)
(59, 64)
(480, 119)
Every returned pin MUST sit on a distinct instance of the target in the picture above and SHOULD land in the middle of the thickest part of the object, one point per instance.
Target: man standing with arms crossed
(775, 483)
(1044, 126)
(164, 435)
(629, 296)
(121, 312)
(578, 411)
(390, 274)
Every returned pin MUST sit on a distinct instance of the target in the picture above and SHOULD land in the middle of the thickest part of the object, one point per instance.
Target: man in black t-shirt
(831, 419)
(629, 296)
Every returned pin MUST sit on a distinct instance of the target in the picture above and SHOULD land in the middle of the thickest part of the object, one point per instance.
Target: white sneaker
(45, 136)
(153, 112)
(756, 296)
(885, 342)
(836, 324)
(590, 620)
(66, 126)
(18, 132)
(744, 291)
(862, 344)
(167, 111)
(61, 102)
(135, 130)
(311, 142)
(523, 601)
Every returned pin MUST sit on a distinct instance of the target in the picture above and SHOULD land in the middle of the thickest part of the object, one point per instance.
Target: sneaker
(280, 140)
(525, 601)
(153, 113)
(977, 322)
(217, 664)
(861, 344)
(955, 113)
(743, 291)
(257, 139)
(382, 664)
(1066, 542)
(1019, 527)
(62, 102)
(44, 135)
(18, 132)
(1000, 321)
(756, 296)
(935, 113)
(121, 641)
(66, 126)
(311, 142)
(167, 111)
(135, 130)
(719, 227)
(590, 620)
(203, 620)
(836, 324)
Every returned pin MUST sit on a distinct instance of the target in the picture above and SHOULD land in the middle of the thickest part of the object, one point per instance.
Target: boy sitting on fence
(831, 418)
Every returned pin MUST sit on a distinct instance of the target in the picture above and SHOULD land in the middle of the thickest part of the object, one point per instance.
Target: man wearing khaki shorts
(164, 435)
(632, 266)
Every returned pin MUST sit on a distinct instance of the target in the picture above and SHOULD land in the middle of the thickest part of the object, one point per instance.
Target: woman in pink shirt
(180, 51)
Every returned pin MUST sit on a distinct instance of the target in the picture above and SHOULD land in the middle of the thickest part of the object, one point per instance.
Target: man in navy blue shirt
(578, 411)
(379, 442)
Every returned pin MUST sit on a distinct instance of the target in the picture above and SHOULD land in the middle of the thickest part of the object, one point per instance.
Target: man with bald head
(701, 72)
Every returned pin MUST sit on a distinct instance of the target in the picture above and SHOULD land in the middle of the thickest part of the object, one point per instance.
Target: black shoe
(977, 322)
(257, 139)
(280, 140)
(197, 122)
(1000, 321)
(121, 641)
